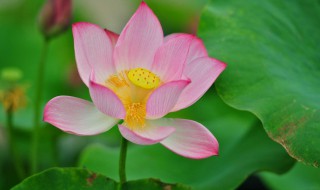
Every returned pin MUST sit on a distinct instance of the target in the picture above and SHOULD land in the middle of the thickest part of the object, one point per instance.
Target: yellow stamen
(135, 115)
(118, 81)
(143, 78)
(133, 88)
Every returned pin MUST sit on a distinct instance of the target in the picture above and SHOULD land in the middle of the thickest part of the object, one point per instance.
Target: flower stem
(122, 160)
(12, 145)
(37, 108)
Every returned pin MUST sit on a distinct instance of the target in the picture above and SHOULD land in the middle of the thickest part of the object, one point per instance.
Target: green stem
(12, 145)
(37, 108)
(122, 161)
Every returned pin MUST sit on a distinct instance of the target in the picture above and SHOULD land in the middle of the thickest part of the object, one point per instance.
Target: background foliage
(271, 83)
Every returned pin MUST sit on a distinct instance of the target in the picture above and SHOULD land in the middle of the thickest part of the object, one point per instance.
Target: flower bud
(55, 17)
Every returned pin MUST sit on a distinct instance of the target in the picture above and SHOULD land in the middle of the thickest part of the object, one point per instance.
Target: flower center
(143, 78)
(133, 88)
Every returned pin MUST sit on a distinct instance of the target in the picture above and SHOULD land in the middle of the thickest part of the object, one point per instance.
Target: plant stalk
(122, 161)
(37, 108)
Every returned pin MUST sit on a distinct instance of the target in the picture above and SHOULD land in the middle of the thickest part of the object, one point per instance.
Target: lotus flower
(139, 76)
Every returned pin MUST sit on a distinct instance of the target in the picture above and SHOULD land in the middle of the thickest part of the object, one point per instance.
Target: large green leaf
(81, 179)
(152, 184)
(299, 177)
(254, 152)
(66, 178)
(272, 50)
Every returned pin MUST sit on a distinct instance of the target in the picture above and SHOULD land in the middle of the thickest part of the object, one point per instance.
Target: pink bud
(55, 17)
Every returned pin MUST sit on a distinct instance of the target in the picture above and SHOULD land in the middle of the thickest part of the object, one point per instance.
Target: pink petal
(190, 139)
(196, 50)
(148, 135)
(93, 51)
(163, 99)
(106, 100)
(113, 37)
(202, 73)
(139, 40)
(171, 57)
(77, 116)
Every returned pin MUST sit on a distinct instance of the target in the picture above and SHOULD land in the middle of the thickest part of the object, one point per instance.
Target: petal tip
(188, 80)
(224, 65)
(184, 82)
(83, 24)
(220, 63)
(75, 24)
(46, 117)
(143, 5)
(214, 152)
(45, 114)
(79, 24)
(215, 148)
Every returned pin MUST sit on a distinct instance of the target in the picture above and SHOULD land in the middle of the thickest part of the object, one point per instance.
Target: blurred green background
(245, 148)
